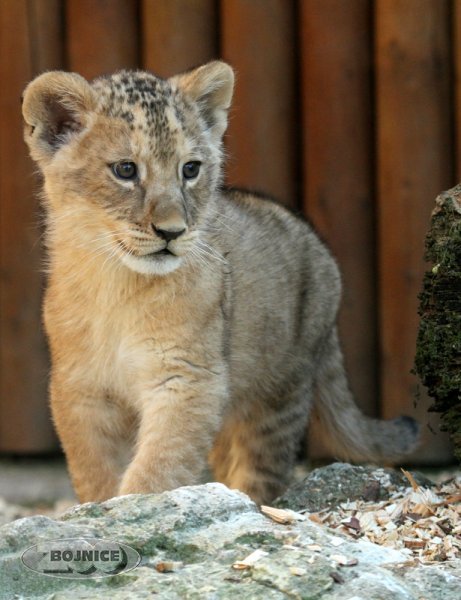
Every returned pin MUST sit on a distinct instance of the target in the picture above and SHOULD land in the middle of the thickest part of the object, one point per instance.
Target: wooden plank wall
(347, 111)
(414, 162)
(30, 42)
(259, 40)
(338, 166)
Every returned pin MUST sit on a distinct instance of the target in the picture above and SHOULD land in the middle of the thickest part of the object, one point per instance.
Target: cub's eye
(124, 169)
(191, 169)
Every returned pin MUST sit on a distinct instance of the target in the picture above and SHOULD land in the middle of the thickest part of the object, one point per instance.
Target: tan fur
(159, 362)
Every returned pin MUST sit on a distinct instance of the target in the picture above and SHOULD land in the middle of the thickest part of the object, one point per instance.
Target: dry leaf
(424, 524)
(414, 516)
(371, 491)
(352, 523)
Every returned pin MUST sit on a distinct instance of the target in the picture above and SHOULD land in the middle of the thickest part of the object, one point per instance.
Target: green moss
(171, 549)
(258, 540)
(438, 354)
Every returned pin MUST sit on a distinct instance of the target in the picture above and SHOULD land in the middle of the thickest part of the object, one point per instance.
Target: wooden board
(414, 164)
(178, 35)
(456, 32)
(259, 41)
(25, 424)
(102, 36)
(336, 62)
(46, 34)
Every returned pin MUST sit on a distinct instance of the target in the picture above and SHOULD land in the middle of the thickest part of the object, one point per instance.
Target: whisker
(204, 247)
(196, 254)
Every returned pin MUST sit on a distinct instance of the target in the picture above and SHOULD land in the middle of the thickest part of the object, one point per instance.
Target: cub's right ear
(55, 106)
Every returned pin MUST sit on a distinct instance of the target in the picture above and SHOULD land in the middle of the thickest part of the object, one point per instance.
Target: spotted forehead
(149, 106)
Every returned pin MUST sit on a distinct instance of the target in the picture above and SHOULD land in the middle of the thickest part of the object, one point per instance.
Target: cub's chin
(158, 263)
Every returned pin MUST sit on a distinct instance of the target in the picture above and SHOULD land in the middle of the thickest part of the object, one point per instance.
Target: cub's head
(131, 162)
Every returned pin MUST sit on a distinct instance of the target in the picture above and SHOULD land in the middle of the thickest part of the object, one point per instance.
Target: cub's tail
(349, 433)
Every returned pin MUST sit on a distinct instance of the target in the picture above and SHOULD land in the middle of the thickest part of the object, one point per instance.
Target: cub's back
(284, 285)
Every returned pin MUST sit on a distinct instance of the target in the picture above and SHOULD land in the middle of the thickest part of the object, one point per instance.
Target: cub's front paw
(131, 484)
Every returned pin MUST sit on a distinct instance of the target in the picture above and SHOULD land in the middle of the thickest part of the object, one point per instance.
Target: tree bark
(438, 351)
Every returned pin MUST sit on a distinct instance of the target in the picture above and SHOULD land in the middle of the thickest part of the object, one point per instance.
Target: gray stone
(329, 486)
(199, 533)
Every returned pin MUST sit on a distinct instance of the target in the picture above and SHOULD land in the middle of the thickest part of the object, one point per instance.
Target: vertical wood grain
(259, 41)
(46, 34)
(102, 36)
(178, 35)
(28, 44)
(415, 162)
(338, 160)
(456, 32)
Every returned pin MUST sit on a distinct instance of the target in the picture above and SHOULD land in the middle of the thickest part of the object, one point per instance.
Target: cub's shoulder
(260, 220)
(263, 208)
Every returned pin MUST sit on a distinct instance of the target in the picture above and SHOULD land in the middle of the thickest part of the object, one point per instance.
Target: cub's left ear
(55, 106)
(211, 86)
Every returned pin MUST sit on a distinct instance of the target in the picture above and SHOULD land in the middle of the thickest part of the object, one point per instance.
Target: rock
(189, 540)
(329, 486)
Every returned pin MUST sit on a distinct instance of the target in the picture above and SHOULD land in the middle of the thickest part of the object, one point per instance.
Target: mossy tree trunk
(438, 352)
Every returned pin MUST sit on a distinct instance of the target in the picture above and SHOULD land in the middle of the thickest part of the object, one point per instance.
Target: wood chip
(167, 566)
(337, 578)
(424, 524)
(316, 519)
(250, 560)
(413, 543)
(280, 515)
(452, 499)
(414, 516)
(297, 571)
(423, 509)
(411, 479)
(337, 541)
(344, 561)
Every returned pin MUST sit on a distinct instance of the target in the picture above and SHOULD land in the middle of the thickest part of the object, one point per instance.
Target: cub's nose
(168, 234)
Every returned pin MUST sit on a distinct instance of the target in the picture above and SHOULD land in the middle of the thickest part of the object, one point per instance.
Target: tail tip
(411, 428)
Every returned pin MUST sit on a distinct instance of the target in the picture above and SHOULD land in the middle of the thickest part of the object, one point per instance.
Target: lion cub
(187, 323)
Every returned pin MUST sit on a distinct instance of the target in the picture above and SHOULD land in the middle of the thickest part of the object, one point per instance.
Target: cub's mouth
(156, 254)
(160, 262)
(163, 252)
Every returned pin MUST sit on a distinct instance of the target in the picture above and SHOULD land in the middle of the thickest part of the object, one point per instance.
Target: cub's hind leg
(256, 451)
